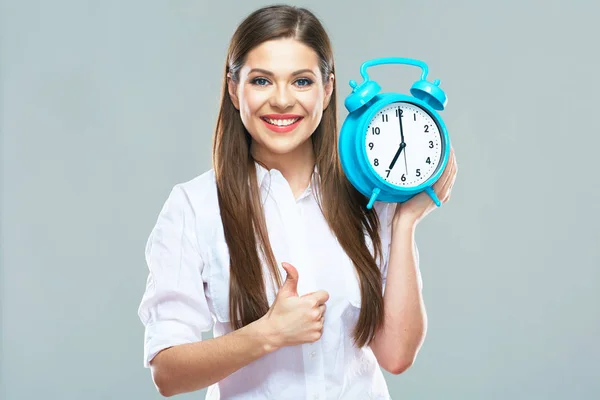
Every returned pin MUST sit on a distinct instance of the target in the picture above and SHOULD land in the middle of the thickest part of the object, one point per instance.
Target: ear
(232, 88)
(328, 91)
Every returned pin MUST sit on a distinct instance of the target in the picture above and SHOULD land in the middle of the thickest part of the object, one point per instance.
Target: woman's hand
(294, 319)
(415, 209)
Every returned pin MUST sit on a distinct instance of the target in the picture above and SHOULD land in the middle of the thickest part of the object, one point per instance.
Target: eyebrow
(266, 72)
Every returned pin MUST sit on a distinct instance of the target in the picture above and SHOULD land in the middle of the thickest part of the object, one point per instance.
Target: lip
(282, 129)
(282, 116)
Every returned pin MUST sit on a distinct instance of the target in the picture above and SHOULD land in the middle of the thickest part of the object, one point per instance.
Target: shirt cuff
(163, 334)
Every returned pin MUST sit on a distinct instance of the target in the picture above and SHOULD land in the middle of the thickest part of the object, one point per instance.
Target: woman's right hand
(294, 319)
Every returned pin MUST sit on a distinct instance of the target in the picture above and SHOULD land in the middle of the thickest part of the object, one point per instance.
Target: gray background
(106, 105)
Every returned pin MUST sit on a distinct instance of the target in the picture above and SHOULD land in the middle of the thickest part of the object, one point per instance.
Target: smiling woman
(280, 89)
(276, 203)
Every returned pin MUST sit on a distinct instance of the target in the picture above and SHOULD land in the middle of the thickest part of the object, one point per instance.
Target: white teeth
(281, 122)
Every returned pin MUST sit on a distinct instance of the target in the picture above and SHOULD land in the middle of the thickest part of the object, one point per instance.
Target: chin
(280, 144)
(281, 148)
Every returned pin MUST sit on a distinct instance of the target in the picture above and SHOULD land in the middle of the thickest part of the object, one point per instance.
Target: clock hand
(402, 146)
(402, 143)
(400, 120)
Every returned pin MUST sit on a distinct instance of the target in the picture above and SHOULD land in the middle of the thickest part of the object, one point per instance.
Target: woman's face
(281, 96)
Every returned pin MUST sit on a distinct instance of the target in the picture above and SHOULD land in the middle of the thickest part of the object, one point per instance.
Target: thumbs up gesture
(294, 319)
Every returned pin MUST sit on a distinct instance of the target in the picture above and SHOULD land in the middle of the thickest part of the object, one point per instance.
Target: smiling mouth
(281, 122)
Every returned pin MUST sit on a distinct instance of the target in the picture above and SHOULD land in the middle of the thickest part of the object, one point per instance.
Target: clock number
(384, 117)
(414, 116)
(431, 144)
(426, 128)
(418, 172)
(376, 130)
(388, 173)
(403, 178)
(376, 162)
(371, 145)
(399, 112)
(428, 161)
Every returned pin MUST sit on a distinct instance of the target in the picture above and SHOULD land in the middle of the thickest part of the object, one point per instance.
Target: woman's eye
(260, 81)
(303, 82)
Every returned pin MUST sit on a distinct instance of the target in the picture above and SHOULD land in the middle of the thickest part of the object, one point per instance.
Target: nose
(282, 98)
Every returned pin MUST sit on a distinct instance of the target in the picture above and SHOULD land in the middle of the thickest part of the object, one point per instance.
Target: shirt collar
(264, 177)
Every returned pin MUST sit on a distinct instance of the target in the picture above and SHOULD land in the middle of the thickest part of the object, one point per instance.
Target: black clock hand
(402, 145)
(400, 120)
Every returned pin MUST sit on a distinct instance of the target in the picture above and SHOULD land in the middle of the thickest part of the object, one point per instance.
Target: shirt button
(316, 396)
(312, 355)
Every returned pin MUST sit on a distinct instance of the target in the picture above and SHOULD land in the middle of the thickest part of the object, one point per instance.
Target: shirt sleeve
(386, 212)
(173, 309)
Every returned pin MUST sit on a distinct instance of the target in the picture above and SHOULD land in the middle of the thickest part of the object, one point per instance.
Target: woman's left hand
(420, 205)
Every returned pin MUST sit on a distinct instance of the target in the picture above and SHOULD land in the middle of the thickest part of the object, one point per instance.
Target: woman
(277, 204)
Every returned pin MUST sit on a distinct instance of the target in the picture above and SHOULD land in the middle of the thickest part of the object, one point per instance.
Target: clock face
(404, 144)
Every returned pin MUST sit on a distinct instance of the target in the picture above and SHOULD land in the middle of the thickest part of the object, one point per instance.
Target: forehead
(282, 56)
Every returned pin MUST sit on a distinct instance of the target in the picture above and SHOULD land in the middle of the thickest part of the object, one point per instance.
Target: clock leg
(374, 195)
(429, 190)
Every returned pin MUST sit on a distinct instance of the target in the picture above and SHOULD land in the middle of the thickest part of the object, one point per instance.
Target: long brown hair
(239, 200)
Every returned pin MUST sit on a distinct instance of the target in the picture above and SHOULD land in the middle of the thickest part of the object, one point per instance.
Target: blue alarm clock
(393, 146)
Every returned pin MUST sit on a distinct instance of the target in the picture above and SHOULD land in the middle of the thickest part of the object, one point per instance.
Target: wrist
(404, 221)
(266, 335)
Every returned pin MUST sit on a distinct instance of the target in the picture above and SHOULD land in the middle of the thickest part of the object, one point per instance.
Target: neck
(296, 166)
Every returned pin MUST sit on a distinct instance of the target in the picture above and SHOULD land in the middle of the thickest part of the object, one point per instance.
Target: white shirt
(188, 289)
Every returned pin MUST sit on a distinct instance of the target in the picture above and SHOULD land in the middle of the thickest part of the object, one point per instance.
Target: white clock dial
(409, 164)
